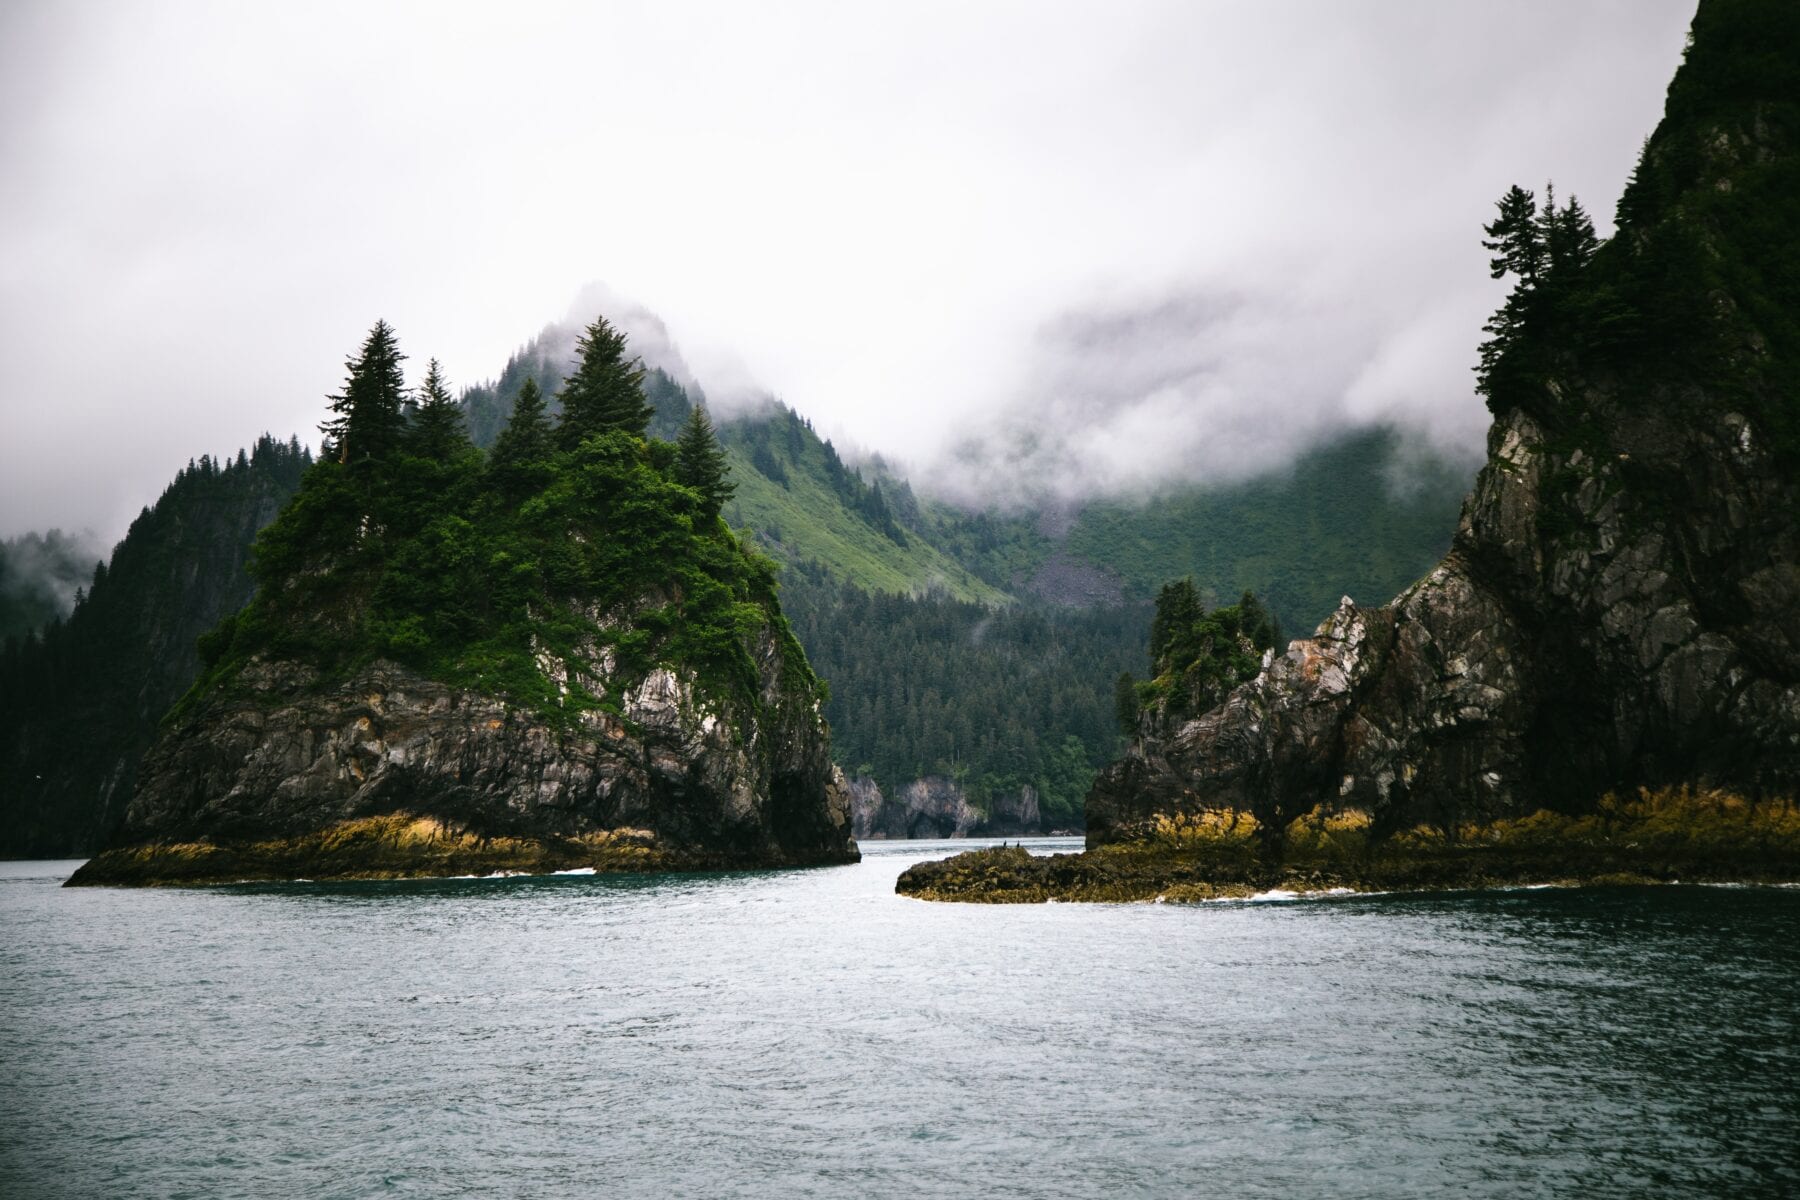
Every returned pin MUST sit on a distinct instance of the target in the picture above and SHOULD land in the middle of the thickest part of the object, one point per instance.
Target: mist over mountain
(1029, 233)
(40, 576)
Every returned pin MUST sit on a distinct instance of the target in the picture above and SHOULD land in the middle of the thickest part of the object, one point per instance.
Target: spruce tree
(366, 423)
(437, 431)
(605, 394)
(1515, 237)
(526, 440)
(1568, 237)
(701, 464)
(1178, 610)
(1125, 704)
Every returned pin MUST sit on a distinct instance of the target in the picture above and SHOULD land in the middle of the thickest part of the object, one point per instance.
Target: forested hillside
(40, 577)
(940, 628)
(81, 701)
(974, 646)
(1356, 517)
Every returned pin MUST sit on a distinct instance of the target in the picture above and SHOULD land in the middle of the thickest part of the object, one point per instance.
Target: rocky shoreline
(406, 846)
(1671, 837)
(392, 775)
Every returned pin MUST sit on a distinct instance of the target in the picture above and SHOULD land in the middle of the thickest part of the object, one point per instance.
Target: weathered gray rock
(1601, 622)
(700, 777)
(1621, 604)
(938, 807)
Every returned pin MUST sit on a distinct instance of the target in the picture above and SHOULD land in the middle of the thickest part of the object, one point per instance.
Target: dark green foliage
(367, 419)
(1127, 706)
(436, 431)
(38, 576)
(1349, 518)
(1699, 291)
(764, 460)
(670, 404)
(605, 392)
(1514, 237)
(1545, 320)
(81, 701)
(860, 497)
(929, 685)
(700, 464)
(520, 462)
(468, 571)
(545, 359)
(1199, 656)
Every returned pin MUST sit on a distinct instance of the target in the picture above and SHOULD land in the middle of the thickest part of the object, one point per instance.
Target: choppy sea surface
(809, 1033)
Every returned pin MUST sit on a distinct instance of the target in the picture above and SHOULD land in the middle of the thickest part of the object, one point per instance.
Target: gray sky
(1081, 246)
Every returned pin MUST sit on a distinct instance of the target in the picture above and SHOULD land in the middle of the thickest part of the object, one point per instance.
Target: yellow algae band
(1668, 835)
(392, 846)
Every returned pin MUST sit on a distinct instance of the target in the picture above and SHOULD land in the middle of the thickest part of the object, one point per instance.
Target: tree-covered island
(556, 655)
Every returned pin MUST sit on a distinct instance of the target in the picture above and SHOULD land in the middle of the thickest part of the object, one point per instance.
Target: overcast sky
(1081, 246)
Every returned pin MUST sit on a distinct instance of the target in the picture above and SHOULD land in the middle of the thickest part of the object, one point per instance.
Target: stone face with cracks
(707, 778)
(1603, 621)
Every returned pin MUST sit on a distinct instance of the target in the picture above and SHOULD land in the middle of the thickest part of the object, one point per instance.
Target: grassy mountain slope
(807, 507)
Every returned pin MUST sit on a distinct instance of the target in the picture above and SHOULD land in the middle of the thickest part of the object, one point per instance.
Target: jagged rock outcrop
(938, 807)
(691, 779)
(1602, 622)
(1621, 604)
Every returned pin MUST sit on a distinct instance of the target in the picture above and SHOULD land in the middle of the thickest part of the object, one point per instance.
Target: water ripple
(812, 1034)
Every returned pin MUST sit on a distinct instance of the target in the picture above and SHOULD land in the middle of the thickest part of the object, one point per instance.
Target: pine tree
(1515, 237)
(437, 431)
(1178, 610)
(1546, 250)
(1568, 237)
(700, 464)
(605, 394)
(525, 442)
(367, 423)
(1125, 704)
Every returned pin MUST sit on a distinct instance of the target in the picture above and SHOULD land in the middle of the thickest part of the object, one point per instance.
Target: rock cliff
(279, 778)
(938, 807)
(1621, 604)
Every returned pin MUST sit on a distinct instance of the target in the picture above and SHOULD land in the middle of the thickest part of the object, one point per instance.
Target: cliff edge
(1620, 609)
(1621, 605)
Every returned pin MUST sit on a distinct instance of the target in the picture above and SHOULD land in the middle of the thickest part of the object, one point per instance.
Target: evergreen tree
(366, 423)
(605, 394)
(1515, 237)
(437, 431)
(700, 464)
(1568, 237)
(1178, 610)
(1547, 251)
(1126, 704)
(525, 442)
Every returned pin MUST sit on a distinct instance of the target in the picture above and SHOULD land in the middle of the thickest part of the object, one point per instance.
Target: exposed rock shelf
(393, 774)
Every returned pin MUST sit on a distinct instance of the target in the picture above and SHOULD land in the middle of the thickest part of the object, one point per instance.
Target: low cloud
(1064, 248)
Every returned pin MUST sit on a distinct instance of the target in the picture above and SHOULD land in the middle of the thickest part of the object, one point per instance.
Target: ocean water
(809, 1033)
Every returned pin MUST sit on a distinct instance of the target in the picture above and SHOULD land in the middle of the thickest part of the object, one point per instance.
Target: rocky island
(553, 657)
(1602, 677)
